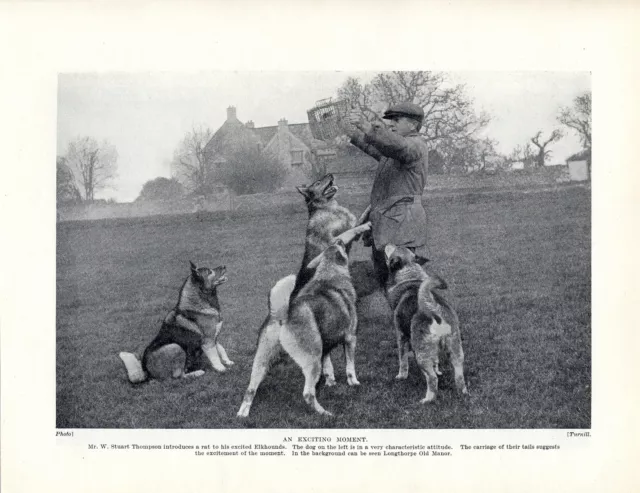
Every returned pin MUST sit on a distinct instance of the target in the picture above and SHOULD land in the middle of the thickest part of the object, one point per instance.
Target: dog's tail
(279, 298)
(431, 307)
(426, 301)
(134, 368)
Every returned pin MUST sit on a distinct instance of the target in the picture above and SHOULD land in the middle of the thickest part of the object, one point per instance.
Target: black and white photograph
(292, 246)
(323, 249)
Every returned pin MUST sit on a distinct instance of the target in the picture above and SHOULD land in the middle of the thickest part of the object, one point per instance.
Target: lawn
(519, 272)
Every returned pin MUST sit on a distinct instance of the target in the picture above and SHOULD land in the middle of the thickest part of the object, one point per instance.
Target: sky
(145, 116)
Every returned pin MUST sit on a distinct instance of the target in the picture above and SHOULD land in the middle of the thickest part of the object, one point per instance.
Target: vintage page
(305, 246)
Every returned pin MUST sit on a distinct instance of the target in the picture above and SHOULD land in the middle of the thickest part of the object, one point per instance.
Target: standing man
(395, 211)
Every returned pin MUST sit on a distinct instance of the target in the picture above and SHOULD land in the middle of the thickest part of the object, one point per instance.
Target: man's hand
(355, 118)
(347, 127)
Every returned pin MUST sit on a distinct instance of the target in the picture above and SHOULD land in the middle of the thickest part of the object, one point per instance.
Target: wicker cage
(324, 117)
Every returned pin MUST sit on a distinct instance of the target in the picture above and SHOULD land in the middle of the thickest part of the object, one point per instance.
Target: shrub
(248, 171)
(161, 189)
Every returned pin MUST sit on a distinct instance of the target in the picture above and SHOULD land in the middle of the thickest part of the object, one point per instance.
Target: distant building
(579, 165)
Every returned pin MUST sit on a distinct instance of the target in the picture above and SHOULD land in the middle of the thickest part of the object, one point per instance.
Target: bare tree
(486, 150)
(361, 98)
(450, 124)
(522, 153)
(190, 164)
(578, 118)
(95, 165)
(543, 152)
(448, 110)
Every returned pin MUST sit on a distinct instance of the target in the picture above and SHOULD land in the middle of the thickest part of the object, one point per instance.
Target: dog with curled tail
(424, 320)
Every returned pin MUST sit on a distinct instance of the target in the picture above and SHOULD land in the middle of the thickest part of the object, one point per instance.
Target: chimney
(283, 124)
(250, 124)
(231, 113)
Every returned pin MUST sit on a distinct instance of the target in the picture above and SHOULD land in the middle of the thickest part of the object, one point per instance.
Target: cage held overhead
(325, 116)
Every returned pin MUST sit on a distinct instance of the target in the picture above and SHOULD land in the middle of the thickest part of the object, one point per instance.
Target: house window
(296, 158)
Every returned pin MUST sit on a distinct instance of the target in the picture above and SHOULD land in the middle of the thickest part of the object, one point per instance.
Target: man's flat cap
(408, 110)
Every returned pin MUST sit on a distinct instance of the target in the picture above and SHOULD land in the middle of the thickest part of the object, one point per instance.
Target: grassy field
(518, 269)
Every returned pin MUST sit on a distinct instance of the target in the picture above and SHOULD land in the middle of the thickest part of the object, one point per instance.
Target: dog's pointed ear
(304, 191)
(388, 250)
(421, 260)
(315, 262)
(194, 269)
(439, 283)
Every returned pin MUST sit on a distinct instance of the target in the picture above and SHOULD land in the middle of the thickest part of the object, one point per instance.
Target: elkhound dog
(424, 321)
(190, 329)
(327, 222)
(321, 316)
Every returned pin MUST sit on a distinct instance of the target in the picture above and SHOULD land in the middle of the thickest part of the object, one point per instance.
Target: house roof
(300, 130)
(232, 134)
(265, 134)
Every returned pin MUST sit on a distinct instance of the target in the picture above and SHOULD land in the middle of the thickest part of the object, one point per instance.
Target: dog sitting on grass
(190, 329)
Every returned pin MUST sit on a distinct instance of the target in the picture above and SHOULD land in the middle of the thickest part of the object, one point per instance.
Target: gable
(288, 140)
(231, 136)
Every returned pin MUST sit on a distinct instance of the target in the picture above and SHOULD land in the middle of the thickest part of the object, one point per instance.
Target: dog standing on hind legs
(327, 222)
(320, 317)
(424, 321)
(190, 329)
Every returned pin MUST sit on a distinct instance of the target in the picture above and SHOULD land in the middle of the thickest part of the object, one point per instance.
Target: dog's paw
(220, 369)
(363, 229)
(193, 374)
(429, 398)
(352, 380)
(330, 382)
(402, 376)
(229, 363)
